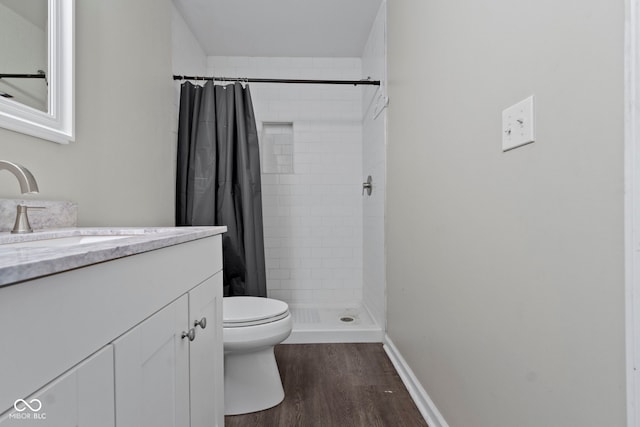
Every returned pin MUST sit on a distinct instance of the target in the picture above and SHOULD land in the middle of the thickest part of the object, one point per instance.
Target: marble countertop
(18, 264)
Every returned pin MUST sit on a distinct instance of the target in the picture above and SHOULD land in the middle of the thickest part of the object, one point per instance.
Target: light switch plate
(518, 125)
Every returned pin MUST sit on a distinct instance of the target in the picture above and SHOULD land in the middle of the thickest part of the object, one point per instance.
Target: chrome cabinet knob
(191, 334)
(202, 323)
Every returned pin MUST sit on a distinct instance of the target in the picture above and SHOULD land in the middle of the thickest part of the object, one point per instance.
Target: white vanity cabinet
(152, 370)
(206, 379)
(169, 368)
(103, 345)
(82, 396)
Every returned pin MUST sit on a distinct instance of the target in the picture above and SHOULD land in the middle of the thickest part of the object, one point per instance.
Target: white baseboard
(425, 405)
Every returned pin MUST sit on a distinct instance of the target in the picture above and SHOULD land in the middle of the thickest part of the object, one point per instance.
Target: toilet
(252, 326)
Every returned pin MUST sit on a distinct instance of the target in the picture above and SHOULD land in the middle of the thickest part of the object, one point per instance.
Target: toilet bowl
(252, 326)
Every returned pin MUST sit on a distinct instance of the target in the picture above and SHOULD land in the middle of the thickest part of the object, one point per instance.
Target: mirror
(36, 69)
(23, 69)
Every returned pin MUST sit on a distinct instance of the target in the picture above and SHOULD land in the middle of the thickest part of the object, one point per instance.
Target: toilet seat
(241, 312)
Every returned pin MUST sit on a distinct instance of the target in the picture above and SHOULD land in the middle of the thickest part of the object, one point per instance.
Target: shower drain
(347, 319)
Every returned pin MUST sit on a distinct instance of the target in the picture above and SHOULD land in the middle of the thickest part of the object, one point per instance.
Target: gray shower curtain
(218, 178)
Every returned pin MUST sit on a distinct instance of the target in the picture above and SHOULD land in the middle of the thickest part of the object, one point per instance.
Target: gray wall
(120, 168)
(505, 270)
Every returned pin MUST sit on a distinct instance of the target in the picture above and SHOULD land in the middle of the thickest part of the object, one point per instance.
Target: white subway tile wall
(313, 218)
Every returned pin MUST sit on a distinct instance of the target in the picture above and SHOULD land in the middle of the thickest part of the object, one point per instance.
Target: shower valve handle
(368, 186)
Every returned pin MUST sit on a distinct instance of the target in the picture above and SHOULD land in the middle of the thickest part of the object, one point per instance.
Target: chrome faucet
(28, 184)
(25, 178)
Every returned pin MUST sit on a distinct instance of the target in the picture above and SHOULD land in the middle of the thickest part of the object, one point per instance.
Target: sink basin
(62, 241)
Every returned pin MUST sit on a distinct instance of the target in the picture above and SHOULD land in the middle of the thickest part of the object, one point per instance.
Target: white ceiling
(280, 28)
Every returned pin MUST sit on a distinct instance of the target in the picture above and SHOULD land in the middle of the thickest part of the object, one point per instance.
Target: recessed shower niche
(276, 146)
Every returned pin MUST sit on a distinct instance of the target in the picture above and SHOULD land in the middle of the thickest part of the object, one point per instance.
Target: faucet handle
(22, 220)
(24, 208)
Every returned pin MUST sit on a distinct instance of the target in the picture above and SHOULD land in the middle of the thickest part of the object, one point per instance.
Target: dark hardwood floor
(342, 385)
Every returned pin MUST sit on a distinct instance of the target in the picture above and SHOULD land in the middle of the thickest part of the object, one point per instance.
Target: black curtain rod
(23, 76)
(301, 81)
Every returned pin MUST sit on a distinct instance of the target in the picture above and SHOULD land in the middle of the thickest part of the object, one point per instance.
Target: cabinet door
(82, 397)
(206, 354)
(152, 370)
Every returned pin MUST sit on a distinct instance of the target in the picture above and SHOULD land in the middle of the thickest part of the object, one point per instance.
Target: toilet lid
(247, 311)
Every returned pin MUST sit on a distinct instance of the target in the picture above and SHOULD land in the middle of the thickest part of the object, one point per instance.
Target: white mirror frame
(57, 124)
